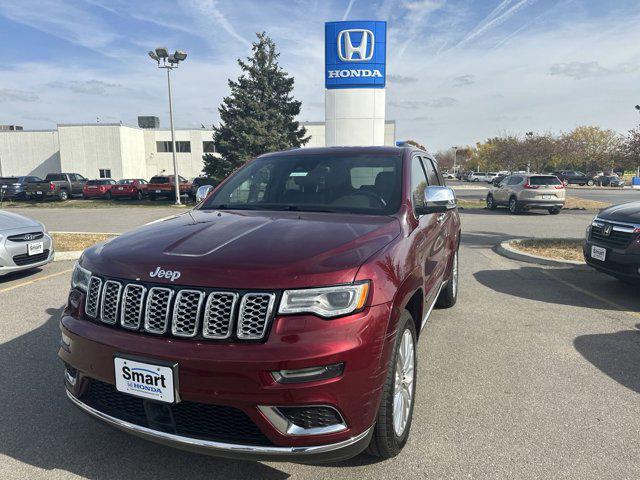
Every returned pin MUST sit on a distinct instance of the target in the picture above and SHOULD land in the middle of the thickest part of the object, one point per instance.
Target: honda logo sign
(347, 52)
(355, 54)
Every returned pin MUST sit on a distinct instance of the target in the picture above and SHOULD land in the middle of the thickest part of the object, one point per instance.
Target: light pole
(455, 156)
(529, 136)
(170, 61)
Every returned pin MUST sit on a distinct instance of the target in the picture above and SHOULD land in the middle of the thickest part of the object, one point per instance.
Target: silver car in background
(24, 243)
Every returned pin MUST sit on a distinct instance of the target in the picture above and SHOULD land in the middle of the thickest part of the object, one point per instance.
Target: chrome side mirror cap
(203, 192)
(437, 199)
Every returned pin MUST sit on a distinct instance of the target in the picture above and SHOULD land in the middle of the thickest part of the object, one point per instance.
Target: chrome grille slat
(186, 313)
(132, 306)
(93, 296)
(218, 315)
(255, 312)
(156, 317)
(110, 301)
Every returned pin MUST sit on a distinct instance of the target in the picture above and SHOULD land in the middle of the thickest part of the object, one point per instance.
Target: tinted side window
(418, 182)
(432, 175)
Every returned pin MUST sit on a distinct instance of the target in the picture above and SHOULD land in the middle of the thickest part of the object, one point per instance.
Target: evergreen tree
(259, 114)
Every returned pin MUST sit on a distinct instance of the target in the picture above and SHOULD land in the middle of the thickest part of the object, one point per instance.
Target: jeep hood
(627, 212)
(246, 249)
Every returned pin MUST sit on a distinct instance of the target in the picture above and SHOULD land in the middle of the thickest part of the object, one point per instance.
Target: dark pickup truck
(57, 185)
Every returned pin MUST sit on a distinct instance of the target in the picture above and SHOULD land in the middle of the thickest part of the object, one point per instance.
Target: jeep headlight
(80, 278)
(326, 301)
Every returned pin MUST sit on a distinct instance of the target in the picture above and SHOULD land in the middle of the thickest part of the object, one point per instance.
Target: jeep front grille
(185, 313)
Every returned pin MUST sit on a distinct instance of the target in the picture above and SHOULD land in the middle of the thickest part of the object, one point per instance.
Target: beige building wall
(29, 153)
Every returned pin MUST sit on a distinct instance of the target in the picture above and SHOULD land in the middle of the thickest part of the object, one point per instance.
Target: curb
(506, 250)
(64, 256)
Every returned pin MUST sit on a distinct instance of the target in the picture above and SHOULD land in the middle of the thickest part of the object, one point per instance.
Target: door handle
(441, 217)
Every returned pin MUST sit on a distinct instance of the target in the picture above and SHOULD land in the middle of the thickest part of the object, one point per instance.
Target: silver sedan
(24, 243)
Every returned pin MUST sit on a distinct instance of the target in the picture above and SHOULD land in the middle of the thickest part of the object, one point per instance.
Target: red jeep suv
(278, 320)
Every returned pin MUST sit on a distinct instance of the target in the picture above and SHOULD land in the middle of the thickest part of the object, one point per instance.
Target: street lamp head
(180, 55)
(153, 55)
(172, 60)
(638, 107)
(162, 52)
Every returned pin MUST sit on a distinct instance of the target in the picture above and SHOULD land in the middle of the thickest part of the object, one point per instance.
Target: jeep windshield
(367, 184)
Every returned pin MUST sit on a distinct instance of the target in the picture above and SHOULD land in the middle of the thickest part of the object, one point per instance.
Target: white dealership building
(118, 151)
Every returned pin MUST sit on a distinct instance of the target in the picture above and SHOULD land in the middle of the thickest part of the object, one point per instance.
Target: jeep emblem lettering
(172, 275)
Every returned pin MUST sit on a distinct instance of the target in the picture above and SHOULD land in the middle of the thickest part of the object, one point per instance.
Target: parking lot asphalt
(107, 220)
(535, 373)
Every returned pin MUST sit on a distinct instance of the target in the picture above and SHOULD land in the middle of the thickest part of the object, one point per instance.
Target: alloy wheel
(403, 385)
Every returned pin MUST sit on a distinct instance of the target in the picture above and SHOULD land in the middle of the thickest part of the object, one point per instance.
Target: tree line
(585, 148)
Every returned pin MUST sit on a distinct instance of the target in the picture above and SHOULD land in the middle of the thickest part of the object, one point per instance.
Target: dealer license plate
(39, 192)
(546, 197)
(35, 248)
(120, 188)
(145, 380)
(598, 253)
(158, 191)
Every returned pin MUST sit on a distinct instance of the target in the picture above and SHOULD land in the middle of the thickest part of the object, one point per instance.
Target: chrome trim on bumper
(286, 427)
(212, 446)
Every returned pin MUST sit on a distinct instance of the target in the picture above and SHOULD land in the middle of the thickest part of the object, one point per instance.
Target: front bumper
(9, 250)
(332, 452)
(238, 375)
(618, 263)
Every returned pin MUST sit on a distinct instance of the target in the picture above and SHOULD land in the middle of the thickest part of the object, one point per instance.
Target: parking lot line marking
(35, 280)
(616, 306)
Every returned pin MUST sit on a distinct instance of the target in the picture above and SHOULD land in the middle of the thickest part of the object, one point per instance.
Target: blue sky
(459, 71)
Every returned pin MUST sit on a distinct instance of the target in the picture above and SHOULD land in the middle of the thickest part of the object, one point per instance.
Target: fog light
(305, 420)
(308, 374)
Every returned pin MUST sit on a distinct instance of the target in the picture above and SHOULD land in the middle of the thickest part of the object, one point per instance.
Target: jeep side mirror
(436, 200)
(203, 192)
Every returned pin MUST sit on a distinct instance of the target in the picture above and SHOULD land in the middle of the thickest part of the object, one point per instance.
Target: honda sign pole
(169, 62)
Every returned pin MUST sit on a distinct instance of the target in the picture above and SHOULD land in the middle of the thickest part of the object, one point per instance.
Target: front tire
(554, 211)
(393, 421)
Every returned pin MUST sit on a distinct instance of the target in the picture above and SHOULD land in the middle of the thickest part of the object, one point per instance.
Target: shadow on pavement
(484, 239)
(9, 277)
(580, 287)
(615, 354)
(40, 427)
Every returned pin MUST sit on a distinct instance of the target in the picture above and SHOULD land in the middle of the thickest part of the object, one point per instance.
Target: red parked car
(278, 319)
(99, 188)
(164, 186)
(135, 188)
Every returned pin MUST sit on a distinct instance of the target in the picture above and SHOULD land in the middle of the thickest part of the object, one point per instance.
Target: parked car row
(62, 186)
